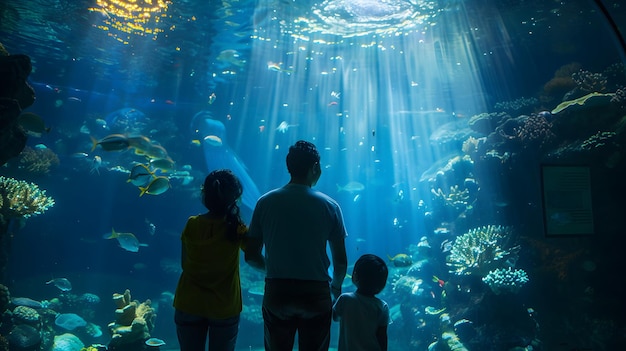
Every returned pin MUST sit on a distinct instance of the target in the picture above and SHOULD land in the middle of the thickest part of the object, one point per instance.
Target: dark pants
(192, 332)
(291, 305)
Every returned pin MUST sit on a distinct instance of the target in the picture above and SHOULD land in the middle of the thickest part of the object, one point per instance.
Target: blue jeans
(192, 332)
(291, 305)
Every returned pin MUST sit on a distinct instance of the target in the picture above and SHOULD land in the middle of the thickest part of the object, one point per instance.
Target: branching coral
(481, 250)
(598, 140)
(590, 82)
(5, 298)
(470, 146)
(517, 104)
(22, 199)
(620, 97)
(536, 130)
(38, 161)
(456, 198)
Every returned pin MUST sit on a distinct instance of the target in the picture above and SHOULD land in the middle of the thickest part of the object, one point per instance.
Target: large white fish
(220, 155)
(62, 283)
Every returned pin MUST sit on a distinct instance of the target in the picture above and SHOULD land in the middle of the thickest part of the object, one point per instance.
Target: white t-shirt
(360, 317)
(296, 223)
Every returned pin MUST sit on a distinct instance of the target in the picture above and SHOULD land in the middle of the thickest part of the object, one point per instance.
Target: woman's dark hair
(370, 274)
(301, 157)
(220, 192)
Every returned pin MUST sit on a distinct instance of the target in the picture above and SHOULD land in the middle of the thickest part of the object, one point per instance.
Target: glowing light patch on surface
(361, 17)
(138, 17)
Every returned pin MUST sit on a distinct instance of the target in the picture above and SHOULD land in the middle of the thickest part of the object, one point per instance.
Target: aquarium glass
(444, 129)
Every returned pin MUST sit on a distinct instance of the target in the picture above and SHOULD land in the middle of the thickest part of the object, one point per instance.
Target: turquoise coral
(506, 280)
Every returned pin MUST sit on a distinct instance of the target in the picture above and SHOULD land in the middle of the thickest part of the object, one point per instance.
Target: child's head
(370, 274)
(220, 192)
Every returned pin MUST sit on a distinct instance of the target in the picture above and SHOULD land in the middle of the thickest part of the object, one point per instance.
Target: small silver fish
(351, 187)
(127, 241)
(283, 127)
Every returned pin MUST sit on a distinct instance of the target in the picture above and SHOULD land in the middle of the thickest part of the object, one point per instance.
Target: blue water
(387, 98)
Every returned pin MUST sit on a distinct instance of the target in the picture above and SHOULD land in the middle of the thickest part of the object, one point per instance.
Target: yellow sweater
(209, 285)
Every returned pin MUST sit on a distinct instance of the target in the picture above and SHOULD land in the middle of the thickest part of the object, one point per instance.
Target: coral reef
(37, 161)
(15, 95)
(5, 298)
(67, 342)
(456, 198)
(4, 343)
(598, 140)
(407, 285)
(485, 123)
(24, 337)
(619, 98)
(481, 250)
(26, 315)
(22, 199)
(562, 81)
(590, 82)
(133, 322)
(506, 280)
(535, 131)
(520, 105)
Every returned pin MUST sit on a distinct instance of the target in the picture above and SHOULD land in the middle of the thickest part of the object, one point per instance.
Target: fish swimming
(127, 241)
(162, 164)
(157, 186)
(61, 283)
(112, 142)
(127, 119)
(220, 155)
(351, 187)
(33, 124)
(154, 342)
(96, 163)
(401, 260)
(140, 175)
(231, 57)
(213, 140)
(283, 127)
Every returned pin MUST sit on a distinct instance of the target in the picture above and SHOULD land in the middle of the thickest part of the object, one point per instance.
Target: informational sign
(567, 206)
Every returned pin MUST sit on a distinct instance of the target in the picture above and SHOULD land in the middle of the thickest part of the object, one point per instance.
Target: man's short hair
(301, 157)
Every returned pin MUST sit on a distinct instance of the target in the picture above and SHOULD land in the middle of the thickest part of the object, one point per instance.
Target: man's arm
(340, 264)
(252, 253)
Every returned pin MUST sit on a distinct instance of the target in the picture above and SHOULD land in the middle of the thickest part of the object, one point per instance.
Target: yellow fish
(163, 164)
(140, 175)
(401, 260)
(157, 186)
